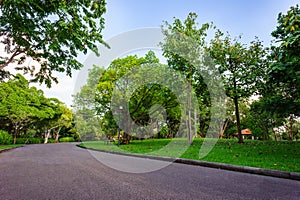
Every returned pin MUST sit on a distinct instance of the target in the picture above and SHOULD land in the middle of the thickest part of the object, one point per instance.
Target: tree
(240, 66)
(108, 81)
(48, 124)
(85, 98)
(84, 105)
(182, 46)
(125, 82)
(291, 127)
(22, 105)
(282, 88)
(51, 33)
(261, 122)
(64, 120)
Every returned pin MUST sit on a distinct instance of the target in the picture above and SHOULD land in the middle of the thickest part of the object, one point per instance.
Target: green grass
(2, 147)
(282, 155)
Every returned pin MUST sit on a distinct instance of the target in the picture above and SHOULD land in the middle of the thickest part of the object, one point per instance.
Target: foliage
(261, 121)
(183, 47)
(67, 139)
(21, 140)
(282, 88)
(84, 105)
(231, 122)
(241, 67)
(51, 33)
(64, 120)
(23, 106)
(5, 137)
(140, 101)
(33, 140)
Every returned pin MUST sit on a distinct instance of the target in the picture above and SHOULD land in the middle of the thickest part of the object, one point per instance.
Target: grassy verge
(2, 147)
(282, 155)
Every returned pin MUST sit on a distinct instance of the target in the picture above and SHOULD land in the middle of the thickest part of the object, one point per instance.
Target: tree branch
(11, 58)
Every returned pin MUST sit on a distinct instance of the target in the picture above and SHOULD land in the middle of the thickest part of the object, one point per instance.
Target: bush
(21, 140)
(51, 141)
(5, 137)
(30, 140)
(36, 141)
(67, 139)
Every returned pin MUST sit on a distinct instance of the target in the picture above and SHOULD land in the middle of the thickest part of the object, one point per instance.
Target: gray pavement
(64, 171)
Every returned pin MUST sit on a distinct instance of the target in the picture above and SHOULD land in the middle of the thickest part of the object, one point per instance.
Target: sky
(248, 18)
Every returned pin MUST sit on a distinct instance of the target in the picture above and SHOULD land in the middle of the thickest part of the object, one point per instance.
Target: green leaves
(241, 67)
(25, 106)
(51, 33)
(283, 81)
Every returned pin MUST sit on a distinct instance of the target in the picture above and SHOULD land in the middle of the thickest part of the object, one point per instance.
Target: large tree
(241, 68)
(23, 106)
(51, 33)
(282, 88)
(64, 119)
(125, 82)
(183, 47)
(84, 107)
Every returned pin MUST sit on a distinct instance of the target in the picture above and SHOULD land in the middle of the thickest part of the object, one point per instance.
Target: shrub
(36, 140)
(67, 139)
(30, 140)
(51, 141)
(5, 137)
(21, 140)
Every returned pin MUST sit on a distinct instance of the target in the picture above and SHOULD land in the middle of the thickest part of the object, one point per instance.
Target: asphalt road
(64, 171)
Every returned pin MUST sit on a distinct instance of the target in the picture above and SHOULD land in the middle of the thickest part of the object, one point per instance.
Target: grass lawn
(281, 155)
(2, 147)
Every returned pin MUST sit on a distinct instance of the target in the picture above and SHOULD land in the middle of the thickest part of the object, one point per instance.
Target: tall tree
(84, 107)
(118, 81)
(65, 119)
(51, 33)
(240, 66)
(22, 105)
(282, 88)
(182, 46)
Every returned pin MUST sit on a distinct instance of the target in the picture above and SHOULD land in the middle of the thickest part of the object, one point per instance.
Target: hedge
(5, 137)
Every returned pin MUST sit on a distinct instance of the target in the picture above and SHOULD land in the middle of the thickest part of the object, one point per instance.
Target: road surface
(64, 171)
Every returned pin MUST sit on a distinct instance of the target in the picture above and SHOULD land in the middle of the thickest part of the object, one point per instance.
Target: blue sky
(247, 17)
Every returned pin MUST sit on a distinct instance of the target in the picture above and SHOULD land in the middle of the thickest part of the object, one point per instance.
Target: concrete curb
(244, 169)
(4, 150)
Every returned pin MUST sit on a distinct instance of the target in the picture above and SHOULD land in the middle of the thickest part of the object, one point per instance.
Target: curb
(4, 150)
(237, 168)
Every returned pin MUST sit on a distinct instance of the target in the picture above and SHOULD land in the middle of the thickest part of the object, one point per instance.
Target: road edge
(4, 150)
(237, 168)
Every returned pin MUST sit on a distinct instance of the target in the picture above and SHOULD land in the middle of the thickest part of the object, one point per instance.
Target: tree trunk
(290, 127)
(189, 121)
(195, 124)
(238, 122)
(57, 134)
(158, 130)
(15, 134)
(223, 127)
(275, 136)
(47, 136)
(56, 137)
(15, 138)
